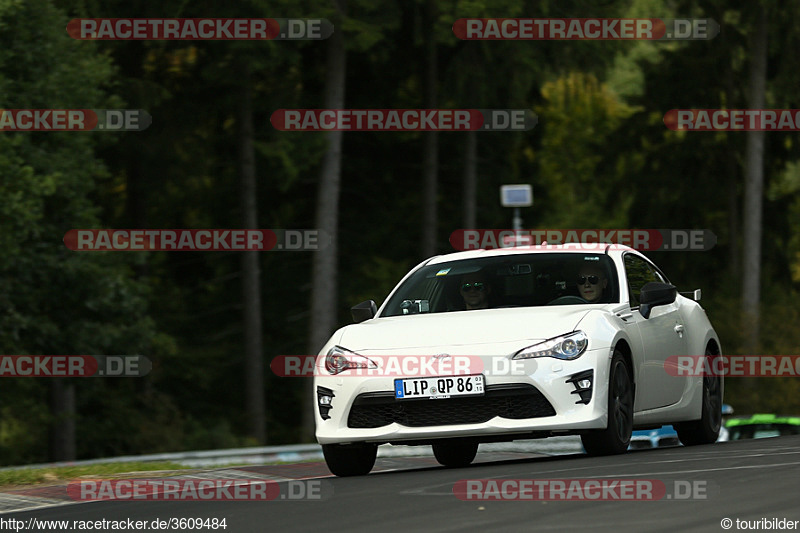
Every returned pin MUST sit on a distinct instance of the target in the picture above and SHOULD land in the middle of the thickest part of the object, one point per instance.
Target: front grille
(373, 410)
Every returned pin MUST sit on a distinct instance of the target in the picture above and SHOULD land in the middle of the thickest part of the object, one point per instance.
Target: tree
(251, 279)
(430, 142)
(754, 186)
(57, 301)
(324, 273)
(579, 116)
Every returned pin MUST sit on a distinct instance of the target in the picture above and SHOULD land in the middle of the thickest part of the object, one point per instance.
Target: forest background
(600, 157)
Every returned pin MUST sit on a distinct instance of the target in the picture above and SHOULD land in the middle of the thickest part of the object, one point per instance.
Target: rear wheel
(455, 453)
(617, 436)
(706, 430)
(350, 459)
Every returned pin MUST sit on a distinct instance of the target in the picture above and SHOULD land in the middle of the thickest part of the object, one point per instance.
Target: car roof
(544, 248)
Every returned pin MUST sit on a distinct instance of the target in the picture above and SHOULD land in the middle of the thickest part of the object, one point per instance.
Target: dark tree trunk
(754, 188)
(62, 407)
(251, 281)
(470, 179)
(430, 156)
(324, 293)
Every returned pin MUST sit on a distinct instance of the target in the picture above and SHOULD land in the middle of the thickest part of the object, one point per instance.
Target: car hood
(462, 331)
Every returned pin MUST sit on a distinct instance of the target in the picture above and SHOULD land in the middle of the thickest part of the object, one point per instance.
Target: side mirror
(654, 294)
(364, 311)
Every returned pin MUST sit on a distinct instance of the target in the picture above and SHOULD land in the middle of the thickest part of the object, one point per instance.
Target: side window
(638, 273)
(659, 277)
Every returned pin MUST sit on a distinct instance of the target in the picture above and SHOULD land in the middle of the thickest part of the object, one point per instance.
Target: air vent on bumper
(583, 382)
(324, 400)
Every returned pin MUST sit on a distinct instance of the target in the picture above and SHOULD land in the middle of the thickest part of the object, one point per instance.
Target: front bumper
(540, 397)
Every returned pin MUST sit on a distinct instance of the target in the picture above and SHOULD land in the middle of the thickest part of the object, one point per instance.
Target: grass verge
(35, 476)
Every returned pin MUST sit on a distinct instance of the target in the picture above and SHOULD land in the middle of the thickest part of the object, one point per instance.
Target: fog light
(583, 385)
(324, 400)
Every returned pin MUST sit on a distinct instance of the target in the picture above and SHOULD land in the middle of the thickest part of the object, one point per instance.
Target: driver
(475, 291)
(591, 282)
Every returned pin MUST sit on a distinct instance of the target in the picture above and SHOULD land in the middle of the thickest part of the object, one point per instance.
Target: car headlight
(569, 346)
(340, 359)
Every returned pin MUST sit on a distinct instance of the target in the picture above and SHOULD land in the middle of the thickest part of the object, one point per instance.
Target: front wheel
(455, 453)
(346, 460)
(617, 436)
(706, 430)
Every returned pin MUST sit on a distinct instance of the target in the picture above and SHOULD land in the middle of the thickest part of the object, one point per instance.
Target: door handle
(679, 329)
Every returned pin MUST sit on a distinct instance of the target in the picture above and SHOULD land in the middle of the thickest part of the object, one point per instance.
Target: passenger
(591, 282)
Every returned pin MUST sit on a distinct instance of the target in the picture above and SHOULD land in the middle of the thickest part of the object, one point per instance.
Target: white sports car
(516, 343)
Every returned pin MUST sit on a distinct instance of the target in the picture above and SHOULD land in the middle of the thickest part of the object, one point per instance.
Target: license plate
(438, 387)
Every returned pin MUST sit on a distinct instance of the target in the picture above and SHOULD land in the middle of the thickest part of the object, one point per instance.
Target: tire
(345, 460)
(706, 430)
(455, 453)
(617, 436)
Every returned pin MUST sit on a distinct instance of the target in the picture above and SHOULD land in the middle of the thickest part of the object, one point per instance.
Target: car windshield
(519, 280)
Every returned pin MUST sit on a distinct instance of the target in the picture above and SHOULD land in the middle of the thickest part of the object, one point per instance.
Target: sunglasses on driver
(469, 287)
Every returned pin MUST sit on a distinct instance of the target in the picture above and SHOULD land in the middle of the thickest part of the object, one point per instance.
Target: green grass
(51, 476)
(34, 476)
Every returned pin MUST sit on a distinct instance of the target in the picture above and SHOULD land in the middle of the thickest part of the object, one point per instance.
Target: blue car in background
(667, 436)
(654, 438)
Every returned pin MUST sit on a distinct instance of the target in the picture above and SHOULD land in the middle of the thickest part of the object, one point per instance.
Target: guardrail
(304, 452)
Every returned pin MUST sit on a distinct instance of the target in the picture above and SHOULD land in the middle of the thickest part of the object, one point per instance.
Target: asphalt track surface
(748, 480)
